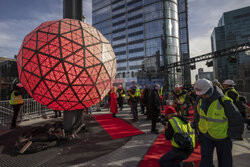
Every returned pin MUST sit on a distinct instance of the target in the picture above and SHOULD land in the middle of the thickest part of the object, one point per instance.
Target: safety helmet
(201, 86)
(229, 82)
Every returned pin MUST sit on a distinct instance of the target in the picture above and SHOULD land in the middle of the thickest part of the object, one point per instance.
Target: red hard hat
(169, 110)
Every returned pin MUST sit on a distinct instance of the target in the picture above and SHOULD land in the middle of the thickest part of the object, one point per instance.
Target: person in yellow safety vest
(137, 91)
(16, 101)
(161, 97)
(121, 96)
(175, 127)
(217, 121)
(180, 98)
(229, 90)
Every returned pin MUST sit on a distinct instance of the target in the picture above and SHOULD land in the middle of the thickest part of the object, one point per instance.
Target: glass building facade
(233, 29)
(138, 29)
(184, 38)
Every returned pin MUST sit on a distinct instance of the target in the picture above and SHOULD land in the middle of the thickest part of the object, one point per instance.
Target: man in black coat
(154, 105)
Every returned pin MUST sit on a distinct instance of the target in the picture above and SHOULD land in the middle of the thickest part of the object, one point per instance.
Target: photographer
(179, 131)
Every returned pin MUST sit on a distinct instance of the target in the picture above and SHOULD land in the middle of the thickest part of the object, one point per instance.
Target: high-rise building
(202, 74)
(140, 29)
(184, 38)
(232, 30)
(8, 72)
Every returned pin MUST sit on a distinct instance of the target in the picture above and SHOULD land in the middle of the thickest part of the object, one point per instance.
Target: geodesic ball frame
(66, 65)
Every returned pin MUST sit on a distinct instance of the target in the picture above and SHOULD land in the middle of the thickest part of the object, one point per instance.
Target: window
(183, 35)
(134, 13)
(138, 20)
(120, 41)
(152, 46)
(97, 4)
(136, 38)
(104, 27)
(101, 15)
(153, 12)
(146, 2)
(154, 29)
(132, 5)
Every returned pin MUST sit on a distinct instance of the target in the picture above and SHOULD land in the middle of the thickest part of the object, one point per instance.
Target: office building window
(152, 46)
(153, 12)
(154, 29)
(102, 14)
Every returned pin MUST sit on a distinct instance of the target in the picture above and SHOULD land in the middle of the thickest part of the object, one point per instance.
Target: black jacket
(155, 103)
(232, 94)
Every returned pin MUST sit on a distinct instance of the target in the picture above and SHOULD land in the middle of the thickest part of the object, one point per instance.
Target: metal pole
(72, 9)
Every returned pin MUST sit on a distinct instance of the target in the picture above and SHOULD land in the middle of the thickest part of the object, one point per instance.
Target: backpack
(184, 141)
(239, 104)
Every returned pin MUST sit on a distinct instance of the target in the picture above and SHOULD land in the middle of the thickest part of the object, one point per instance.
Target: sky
(19, 17)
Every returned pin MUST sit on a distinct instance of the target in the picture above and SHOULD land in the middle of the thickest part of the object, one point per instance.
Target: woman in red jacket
(113, 102)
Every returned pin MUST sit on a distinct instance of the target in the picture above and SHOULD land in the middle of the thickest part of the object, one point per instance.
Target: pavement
(95, 148)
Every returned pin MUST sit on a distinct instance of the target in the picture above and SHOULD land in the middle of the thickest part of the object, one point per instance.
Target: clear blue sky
(19, 17)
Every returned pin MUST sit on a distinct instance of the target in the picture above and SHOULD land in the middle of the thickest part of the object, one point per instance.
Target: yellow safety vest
(122, 93)
(137, 92)
(182, 98)
(233, 90)
(215, 122)
(180, 127)
(15, 99)
(161, 92)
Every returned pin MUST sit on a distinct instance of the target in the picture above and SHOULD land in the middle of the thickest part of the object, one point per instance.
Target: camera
(163, 120)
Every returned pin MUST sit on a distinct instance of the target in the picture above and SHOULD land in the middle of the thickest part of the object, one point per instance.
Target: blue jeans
(223, 148)
(173, 158)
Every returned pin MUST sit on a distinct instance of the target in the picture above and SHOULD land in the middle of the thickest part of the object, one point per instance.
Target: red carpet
(162, 146)
(116, 127)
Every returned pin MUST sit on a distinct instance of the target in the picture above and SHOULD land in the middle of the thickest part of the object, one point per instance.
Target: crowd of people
(148, 100)
(219, 116)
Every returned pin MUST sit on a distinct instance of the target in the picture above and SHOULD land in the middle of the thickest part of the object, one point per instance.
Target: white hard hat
(177, 86)
(201, 86)
(215, 81)
(228, 82)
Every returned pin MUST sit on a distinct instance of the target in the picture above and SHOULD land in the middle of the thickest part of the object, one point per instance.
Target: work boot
(187, 164)
(155, 131)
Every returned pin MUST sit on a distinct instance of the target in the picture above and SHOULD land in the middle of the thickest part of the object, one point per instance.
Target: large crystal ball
(66, 65)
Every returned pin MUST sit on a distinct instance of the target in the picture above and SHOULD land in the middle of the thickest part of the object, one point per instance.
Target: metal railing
(31, 109)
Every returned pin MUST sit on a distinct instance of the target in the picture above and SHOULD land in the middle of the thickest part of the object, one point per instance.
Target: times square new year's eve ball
(66, 64)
